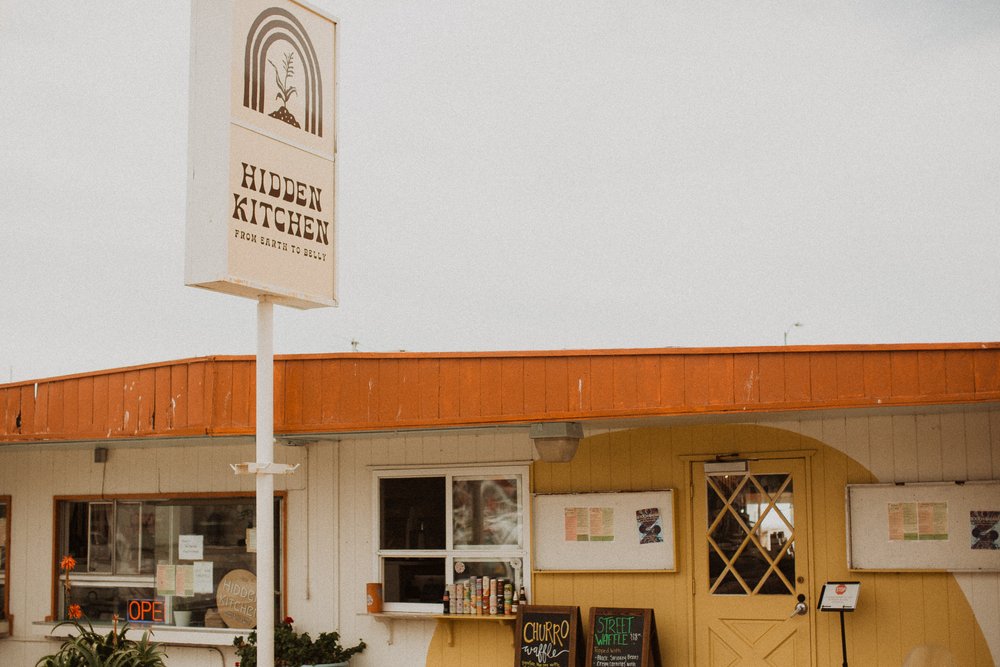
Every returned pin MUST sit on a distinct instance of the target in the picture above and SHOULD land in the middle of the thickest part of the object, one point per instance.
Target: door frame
(690, 461)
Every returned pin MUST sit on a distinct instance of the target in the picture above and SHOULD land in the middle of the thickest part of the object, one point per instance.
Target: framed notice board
(604, 531)
(622, 638)
(548, 637)
(944, 526)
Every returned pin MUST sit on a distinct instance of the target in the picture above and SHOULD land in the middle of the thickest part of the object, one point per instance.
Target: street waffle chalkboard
(548, 637)
(622, 638)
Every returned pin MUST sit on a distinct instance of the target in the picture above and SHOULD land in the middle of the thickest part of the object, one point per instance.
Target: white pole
(265, 482)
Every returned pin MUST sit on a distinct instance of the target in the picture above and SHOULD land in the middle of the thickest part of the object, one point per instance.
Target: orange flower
(68, 563)
(75, 612)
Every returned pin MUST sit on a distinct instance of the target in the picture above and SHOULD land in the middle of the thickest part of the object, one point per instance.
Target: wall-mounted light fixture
(100, 454)
(556, 442)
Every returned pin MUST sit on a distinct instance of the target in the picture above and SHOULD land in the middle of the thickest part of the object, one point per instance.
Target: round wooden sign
(236, 598)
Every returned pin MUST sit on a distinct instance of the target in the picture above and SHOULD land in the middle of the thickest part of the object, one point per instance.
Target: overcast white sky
(528, 175)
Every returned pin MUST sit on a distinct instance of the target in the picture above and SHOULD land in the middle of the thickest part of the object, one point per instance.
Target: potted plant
(89, 648)
(293, 649)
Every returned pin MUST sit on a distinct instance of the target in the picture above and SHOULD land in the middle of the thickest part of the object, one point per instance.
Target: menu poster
(622, 638)
(548, 637)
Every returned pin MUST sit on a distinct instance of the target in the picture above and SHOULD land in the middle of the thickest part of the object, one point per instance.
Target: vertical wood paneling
(470, 388)
(931, 370)
(534, 385)
(388, 391)
(772, 377)
(491, 390)
(960, 374)
(746, 378)
(878, 375)
(180, 396)
(823, 376)
(797, 379)
(512, 386)
(904, 449)
(720, 379)
(672, 380)
(696, 382)
(905, 374)
(850, 375)
(160, 417)
(988, 370)
(430, 375)
(312, 393)
(624, 372)
(953, 443)
(928, 431)
(580, 383)
(293, 382)
(647, 378)
(602, 383)
(556, 385)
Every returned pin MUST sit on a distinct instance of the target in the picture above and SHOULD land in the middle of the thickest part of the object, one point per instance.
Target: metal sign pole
(265, 482)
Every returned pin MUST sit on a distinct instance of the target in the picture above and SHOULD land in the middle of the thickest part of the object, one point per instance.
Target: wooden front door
(751, 564)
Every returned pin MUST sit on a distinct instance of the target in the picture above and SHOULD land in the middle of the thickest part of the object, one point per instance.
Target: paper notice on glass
(650, 525)
(190, 547)
(184, 581)
(203, 581)
(166, 579)
(251, 540)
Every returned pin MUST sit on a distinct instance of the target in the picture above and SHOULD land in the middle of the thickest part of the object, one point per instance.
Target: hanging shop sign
(261, 151)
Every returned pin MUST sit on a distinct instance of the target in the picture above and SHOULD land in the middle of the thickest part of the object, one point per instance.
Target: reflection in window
(128, 550)
(751, 534)
(438, 527)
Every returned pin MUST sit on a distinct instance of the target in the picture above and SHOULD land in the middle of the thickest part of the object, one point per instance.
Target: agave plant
(89, 648)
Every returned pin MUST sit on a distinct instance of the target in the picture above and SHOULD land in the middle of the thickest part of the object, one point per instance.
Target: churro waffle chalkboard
(548, 637)
(622, 638)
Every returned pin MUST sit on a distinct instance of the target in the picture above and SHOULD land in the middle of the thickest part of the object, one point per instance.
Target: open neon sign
(145, 611)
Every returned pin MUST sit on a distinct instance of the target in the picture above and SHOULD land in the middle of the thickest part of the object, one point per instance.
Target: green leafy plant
(285, 91)
(89, 648)
(292, 649)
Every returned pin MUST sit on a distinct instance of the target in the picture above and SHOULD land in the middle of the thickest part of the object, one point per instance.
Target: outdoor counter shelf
(163, 634)
(389, 617)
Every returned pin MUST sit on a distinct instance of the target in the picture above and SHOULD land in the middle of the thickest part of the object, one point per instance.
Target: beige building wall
(330, 529)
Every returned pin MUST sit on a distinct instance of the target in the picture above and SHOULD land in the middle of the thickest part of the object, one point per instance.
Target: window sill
(389, 617)
(163, 634)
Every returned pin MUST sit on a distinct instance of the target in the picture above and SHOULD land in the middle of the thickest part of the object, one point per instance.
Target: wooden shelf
(389, 617)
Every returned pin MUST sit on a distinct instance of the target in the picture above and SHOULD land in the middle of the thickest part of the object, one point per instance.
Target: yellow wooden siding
(897, 611)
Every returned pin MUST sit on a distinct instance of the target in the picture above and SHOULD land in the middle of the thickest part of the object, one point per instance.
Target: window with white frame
(172, 552)
(445, 525)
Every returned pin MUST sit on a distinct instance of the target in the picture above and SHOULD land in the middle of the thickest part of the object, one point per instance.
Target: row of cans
(482, 596)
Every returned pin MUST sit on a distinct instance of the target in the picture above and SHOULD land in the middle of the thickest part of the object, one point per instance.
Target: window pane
(127, 531)
(98, 549)
(509, 569)
(412, 579)
(412, 513)
(487, 512)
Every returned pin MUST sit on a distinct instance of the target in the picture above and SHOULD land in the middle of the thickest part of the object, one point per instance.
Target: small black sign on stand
(840, 596)
(622, 638)
(548, 637)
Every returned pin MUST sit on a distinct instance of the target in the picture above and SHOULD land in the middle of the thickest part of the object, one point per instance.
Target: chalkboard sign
(548, 637)
(622, 638)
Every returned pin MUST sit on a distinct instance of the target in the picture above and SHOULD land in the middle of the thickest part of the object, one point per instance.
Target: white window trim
(450, 472)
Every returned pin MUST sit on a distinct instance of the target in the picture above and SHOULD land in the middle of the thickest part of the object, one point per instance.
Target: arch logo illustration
(281, 70)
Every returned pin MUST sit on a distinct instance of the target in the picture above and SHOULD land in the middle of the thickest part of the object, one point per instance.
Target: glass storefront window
(144, 559)
(443, 526)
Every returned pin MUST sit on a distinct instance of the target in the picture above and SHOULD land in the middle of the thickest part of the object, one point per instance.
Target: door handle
(800, 607)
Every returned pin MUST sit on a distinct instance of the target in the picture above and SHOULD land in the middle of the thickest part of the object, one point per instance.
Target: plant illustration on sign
(285, 91)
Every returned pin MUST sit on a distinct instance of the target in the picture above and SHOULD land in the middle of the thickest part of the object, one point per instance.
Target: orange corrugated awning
(369, 391)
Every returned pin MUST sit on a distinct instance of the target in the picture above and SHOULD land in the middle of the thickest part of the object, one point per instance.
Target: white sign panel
(262, 150)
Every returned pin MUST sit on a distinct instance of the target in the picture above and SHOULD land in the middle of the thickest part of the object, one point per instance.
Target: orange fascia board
(356, 392)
